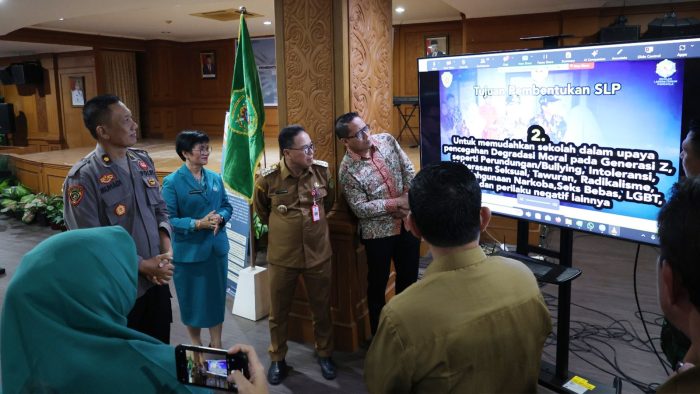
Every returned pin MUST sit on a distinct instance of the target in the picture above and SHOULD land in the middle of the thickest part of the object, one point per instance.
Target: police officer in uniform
(117, 185)
(292, 197)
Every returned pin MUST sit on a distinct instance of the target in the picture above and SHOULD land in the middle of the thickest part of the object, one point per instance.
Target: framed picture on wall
(436, 46)
(207, 61)
(77, 91)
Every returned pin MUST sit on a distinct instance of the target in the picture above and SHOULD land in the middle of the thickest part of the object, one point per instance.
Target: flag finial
(242, 10)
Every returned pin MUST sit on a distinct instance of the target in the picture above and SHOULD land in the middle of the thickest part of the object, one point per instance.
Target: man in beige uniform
(679, 277)
(292, 198)
(474, 323)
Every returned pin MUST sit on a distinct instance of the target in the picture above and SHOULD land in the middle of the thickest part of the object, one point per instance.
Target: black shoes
(327, 367)
(277, 372)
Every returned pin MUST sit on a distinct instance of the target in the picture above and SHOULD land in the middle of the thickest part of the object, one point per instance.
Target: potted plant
(35, 208)
(11, 202)
(11, 207)
(28, 208)
(54, 213)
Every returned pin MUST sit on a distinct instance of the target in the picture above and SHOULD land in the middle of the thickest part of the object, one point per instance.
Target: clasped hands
(158, 269)
(211, 222)
(402, 206)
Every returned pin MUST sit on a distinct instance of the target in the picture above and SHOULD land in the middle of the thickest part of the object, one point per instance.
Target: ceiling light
(60, 19)
(267, 23)
(400, 10)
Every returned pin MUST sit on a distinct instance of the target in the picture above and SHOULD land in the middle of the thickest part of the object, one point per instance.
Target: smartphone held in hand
(208, 367)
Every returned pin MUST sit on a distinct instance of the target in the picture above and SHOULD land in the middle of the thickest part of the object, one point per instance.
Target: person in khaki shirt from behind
(474, 323)
(292, 197)
(679, 278)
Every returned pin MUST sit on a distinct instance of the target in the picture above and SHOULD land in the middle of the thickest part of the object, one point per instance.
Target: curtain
(120, 79)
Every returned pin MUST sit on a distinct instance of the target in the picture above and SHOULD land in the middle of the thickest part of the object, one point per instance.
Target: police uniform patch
(143, 165)
(106, 158)
(120, 210)
(75, 194)
(151, 182)
(106, 178)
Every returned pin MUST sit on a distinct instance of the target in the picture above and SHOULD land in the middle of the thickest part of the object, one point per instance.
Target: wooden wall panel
(370, 44)
(308, 60)
(174, 95)
(217, 90)
(25, 108)
(163, 122)
(307, 79)
(29, 173)
(53, 177)
(409, 45)
(35, 106)
(81, 65)
(505, 32)
(207, 117)
(159, 74)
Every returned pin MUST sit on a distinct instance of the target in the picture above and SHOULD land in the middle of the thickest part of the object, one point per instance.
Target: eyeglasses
(307, 149)
(361, 134)
(202, 150)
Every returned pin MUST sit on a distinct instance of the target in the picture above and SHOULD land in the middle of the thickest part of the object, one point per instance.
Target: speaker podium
(252, 299)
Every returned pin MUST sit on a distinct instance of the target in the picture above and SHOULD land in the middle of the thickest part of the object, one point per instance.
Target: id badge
(315, 213)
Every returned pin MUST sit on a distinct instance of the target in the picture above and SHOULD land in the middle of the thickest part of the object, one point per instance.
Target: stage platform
(45, 171)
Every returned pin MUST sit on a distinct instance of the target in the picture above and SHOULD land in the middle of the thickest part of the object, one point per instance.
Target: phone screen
(207, 367)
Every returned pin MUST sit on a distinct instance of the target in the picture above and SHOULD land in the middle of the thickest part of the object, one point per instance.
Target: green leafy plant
(11, 202)
(19, 201)
(36, 208)
(6, 182)
(260, 228)
(15, 192)
(29, 208)
(10, 206)
(54, 211)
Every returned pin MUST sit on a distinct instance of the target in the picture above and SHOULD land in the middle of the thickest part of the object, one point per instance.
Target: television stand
(556, 377)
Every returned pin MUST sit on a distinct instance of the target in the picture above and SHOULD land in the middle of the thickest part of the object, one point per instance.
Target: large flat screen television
(586, 138)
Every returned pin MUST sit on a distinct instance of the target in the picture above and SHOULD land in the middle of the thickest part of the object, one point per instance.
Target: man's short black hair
(341, 124)
(187, 139)
(694, 127)
(679, 234)
(96, 112)
(445, 201)
(287, 135)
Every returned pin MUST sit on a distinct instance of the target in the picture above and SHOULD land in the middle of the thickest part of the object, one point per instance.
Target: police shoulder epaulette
(321, 163)
(77, 166)
(269, 170)
(137, 150)
(139, 153)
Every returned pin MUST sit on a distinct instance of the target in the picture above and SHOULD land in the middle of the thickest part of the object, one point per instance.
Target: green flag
(244, 142)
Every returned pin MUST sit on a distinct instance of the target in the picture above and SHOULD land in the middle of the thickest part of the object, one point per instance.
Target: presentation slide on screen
(602, 137)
